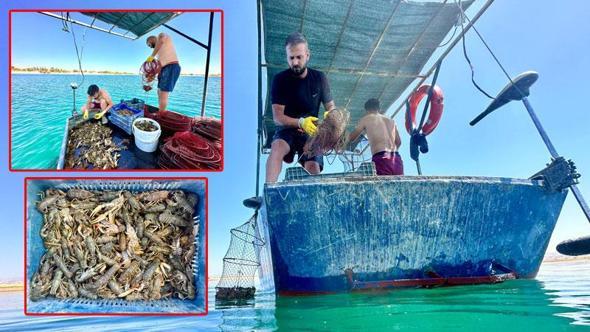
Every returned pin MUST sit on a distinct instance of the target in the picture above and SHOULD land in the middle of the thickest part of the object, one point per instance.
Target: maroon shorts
(94, 105)
(388, 163)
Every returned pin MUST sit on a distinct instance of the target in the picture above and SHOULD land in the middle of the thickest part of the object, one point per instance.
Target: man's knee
(279, 148)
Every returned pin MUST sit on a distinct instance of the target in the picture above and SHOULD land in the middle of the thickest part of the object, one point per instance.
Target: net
(331, 134)
(352, 159)
(240, 263)
(148, 71)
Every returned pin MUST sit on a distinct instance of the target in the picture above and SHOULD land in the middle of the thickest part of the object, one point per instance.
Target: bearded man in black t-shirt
(296, 95)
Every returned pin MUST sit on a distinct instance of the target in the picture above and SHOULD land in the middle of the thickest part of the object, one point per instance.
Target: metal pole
(85, 24)
(540, 128)
(554, 154)
(207, 63)
(187, 36)
(259, 129)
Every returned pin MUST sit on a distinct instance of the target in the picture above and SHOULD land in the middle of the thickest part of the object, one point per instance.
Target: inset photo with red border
(116, 90)
(115, 246)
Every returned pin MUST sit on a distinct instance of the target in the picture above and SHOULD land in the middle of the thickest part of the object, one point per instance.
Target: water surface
(558, 300)
(41, 104)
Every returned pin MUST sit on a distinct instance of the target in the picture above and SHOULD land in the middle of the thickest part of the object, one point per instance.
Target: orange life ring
(435, 113)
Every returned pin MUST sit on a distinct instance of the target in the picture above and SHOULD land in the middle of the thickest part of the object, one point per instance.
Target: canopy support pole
(259, 129)
(207, 47)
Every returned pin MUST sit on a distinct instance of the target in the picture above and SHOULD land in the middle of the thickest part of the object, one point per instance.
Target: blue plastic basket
(124, 122)
(134, 103)
(35, 250)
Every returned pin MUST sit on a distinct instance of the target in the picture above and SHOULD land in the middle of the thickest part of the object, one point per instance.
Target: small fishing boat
(358, 231)
(196, 143)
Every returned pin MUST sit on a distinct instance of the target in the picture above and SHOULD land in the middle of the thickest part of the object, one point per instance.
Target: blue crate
(135, 103)
(35, 250)
(124, 122)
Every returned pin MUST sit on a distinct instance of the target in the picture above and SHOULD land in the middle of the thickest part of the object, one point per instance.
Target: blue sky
(35, 36)
(526, 35)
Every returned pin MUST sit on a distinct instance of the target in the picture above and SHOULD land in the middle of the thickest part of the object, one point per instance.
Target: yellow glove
(85, 116)
(326, 114)
(150, 58)
(98, 116)
(308, 125)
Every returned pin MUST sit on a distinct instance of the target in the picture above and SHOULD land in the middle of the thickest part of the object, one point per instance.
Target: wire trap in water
(240, 263)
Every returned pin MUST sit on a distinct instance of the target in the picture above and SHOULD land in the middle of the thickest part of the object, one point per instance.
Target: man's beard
(298, 70)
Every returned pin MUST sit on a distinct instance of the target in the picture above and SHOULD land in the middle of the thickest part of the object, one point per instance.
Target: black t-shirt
(301, 97)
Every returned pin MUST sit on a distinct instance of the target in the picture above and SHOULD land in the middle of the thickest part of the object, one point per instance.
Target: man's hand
(308, 125)
(85, 116)
(98, 116)
(150, 58)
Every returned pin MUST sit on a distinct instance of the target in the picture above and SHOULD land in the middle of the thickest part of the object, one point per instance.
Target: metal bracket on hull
(558, 175)
(432, 279)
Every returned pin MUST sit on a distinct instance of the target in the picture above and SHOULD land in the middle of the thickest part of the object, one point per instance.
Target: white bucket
(146, 140)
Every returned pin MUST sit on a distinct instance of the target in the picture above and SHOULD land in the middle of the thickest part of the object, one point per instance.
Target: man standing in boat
(166, 53)
(383, 138)
(296, 95)
(98, 100)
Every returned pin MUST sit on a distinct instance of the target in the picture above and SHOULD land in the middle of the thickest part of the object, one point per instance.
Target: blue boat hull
(392, 228)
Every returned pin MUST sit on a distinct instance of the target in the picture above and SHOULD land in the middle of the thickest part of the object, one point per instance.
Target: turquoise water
(559, 300)
(41, 105)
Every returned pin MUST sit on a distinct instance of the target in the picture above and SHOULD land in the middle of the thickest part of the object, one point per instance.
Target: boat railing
(299, 173)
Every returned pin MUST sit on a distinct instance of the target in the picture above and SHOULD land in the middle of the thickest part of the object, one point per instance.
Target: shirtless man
(164, 50)
(98, 100)
(383, 138)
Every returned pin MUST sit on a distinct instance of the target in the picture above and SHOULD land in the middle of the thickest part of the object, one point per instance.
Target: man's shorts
(388, 163)
(168, 77)
(296, 140)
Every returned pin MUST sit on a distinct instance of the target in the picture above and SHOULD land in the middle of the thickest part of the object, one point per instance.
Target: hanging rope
(78, 52)
(485, 44)
(469, 60)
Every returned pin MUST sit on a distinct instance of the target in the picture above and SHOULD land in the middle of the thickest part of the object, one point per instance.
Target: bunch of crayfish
(116, 245)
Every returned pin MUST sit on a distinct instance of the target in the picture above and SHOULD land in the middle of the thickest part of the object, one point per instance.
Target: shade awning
(137, 23)
(368, 49)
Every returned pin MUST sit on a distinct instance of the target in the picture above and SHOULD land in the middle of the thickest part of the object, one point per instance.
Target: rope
(450, 38)
(78, 53)
(486, 45)
(469, 60)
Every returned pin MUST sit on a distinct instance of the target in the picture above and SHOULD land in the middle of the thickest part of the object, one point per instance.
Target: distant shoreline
(19, 72)
(11, 287)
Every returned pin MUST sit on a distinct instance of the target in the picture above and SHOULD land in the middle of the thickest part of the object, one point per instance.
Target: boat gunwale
(314, 180)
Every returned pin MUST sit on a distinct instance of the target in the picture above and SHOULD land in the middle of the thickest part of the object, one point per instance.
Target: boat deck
(131, 157)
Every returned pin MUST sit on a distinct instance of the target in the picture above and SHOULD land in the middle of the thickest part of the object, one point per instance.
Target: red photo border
(206, 275)
(222, 33)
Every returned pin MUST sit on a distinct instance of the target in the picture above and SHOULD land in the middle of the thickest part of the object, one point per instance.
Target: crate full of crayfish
(122, 115)
(111, 246)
